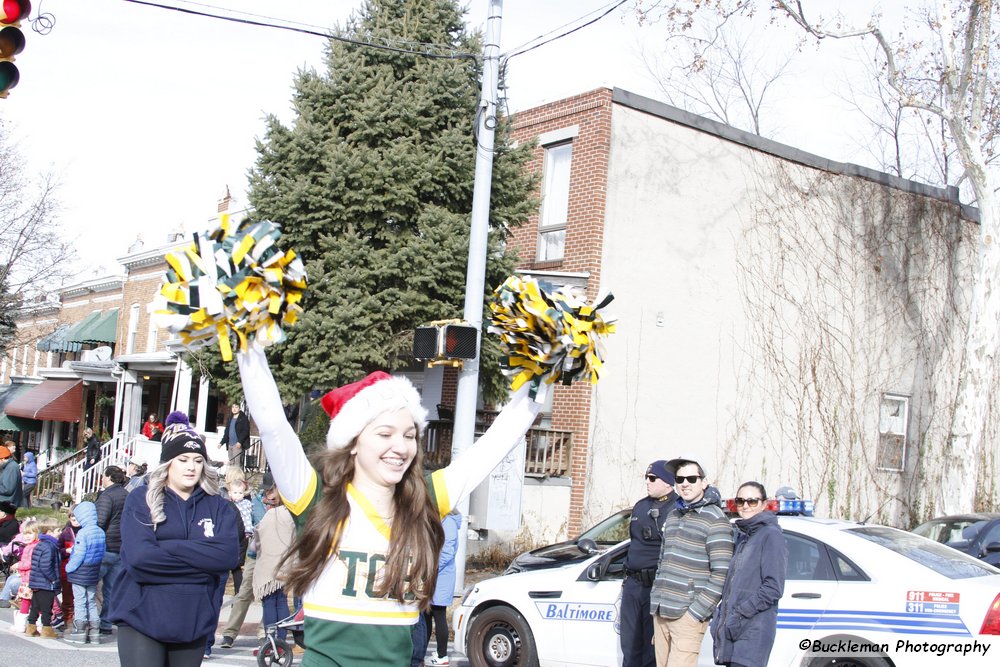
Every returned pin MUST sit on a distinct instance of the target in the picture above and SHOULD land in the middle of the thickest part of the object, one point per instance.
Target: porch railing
(548, 453)
(67, 476)
(79, 482)
(50, 484)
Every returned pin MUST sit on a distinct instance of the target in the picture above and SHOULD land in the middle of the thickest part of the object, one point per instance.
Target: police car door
(810, 586)
(593, 605)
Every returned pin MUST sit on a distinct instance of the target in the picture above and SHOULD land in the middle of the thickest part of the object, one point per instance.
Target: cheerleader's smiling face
(385, 448)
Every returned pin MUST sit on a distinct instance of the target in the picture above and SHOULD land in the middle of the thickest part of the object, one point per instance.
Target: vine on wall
(850, 290)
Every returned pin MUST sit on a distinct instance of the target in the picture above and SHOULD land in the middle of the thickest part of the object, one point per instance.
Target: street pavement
(16, 650)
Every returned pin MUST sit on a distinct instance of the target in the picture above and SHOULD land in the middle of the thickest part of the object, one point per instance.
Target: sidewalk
(251, 624)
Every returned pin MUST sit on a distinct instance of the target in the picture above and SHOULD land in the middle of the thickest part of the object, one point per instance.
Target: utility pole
(475, 277)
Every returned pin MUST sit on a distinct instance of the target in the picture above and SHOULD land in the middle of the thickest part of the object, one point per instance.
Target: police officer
(646, 531)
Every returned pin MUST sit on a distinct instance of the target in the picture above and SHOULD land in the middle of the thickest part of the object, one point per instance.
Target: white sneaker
(435, 661)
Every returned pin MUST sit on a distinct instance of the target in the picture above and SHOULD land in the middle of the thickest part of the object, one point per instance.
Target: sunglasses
(749, 502)
(690, 479)
(651, 478)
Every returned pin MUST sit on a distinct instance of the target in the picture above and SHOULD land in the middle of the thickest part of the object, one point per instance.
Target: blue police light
(797, 507)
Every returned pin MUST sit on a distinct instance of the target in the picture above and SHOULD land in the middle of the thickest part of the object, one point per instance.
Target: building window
(555, 202)
(893, 417)
(133, 328)
(151, 336)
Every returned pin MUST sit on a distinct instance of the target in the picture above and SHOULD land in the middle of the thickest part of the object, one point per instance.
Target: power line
(524, 48)
(314, 31)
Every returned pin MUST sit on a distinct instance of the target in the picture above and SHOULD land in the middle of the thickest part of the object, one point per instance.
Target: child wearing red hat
(366, 557)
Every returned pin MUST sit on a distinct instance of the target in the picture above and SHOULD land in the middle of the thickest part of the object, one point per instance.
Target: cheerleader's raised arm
(293, 474)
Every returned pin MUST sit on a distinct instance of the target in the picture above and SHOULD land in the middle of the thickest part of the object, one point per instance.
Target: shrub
(496, 556)
(42, 513)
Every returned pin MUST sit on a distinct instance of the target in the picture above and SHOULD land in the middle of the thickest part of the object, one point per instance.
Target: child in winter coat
(275, 535)
(29, 477)
(43, 579)
(239, 496)
(84, 570)
(29, 538)
(66, 539)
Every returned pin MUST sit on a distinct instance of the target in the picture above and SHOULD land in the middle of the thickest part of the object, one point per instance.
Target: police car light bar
(784, 507)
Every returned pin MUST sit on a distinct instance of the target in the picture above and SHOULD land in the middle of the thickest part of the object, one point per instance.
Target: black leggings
(439, 613)
(41, 604)
(137, 650)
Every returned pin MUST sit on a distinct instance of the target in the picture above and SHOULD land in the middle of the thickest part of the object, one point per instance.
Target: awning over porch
(56, 341)
(100, 330)
(63, 339)
(7, 423)
(52, 400)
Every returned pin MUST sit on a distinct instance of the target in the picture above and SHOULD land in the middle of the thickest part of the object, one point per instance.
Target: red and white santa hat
(354, 406)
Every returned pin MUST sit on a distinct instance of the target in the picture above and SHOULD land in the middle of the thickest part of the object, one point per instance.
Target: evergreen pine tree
(372, 184)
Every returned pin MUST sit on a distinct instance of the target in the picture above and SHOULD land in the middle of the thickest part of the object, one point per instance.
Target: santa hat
(354, 406)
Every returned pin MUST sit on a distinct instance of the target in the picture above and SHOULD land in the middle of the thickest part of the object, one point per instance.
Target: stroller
(10, 553)
(274, 652)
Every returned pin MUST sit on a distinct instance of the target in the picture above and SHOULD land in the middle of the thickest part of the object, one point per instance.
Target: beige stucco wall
(736, 274)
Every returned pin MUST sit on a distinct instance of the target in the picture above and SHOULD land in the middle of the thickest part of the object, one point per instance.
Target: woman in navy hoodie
(179, 539)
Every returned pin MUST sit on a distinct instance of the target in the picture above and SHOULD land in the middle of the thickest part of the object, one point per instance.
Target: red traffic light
(12, 11)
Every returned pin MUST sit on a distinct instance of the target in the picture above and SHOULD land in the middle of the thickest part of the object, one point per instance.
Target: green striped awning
(8, 423)
(64, 339)
(100, 330)
(56, 341)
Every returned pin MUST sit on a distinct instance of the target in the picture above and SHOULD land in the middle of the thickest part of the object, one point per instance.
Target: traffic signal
(11, 41)
(446, 342)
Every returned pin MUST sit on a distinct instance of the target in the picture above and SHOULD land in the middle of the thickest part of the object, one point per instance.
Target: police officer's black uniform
(646, 532)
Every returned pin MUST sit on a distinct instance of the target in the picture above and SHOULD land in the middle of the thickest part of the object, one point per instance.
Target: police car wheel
(500, 637)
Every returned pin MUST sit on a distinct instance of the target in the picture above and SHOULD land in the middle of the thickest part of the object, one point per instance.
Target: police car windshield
(942, 559)
(612, 530)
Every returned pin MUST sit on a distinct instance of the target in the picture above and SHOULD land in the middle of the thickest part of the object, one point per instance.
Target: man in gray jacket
(11, 488)
(694, 558)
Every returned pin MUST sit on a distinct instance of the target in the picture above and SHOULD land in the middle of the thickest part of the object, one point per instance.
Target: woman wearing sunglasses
(743, 626)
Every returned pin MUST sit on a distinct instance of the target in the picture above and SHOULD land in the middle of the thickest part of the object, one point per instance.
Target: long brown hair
(417, 536)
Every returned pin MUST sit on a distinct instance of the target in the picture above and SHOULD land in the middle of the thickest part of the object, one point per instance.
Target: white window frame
(554, 213)
(151, 333)
(133, 328)
(893, 422)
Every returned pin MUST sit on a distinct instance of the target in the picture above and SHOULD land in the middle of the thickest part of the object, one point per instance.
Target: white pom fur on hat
(385, 395)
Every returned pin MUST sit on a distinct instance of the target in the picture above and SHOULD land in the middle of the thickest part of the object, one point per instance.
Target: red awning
(52, 400)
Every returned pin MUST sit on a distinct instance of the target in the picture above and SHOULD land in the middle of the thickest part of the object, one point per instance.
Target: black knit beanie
(179, 438)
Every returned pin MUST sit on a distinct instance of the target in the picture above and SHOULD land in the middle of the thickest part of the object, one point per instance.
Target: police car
(856, 595)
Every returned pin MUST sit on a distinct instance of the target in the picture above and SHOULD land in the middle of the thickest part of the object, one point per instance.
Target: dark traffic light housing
(11, 41)
(447, 342)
